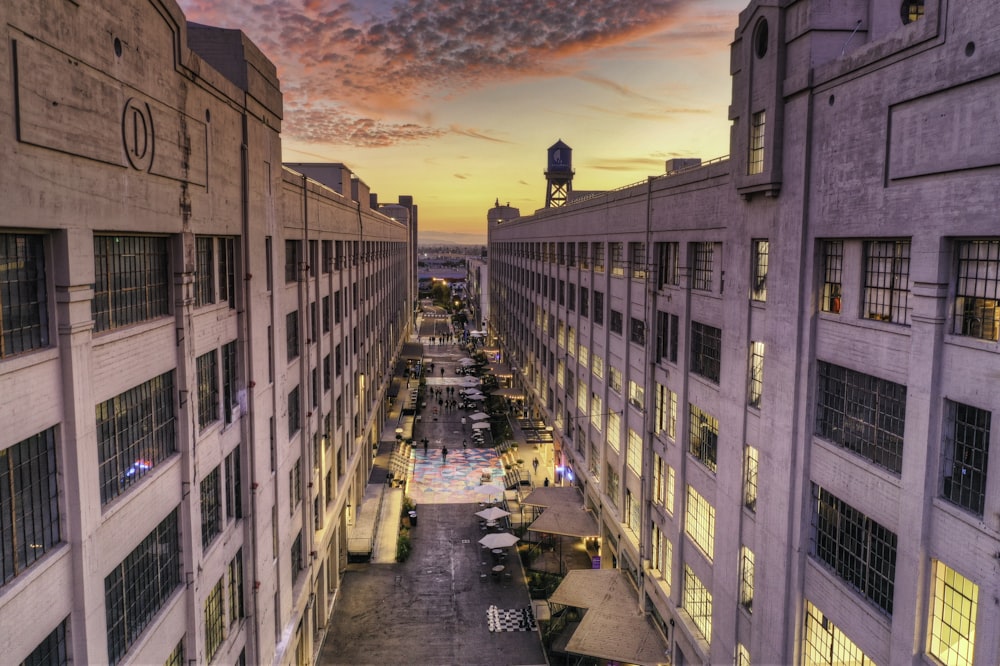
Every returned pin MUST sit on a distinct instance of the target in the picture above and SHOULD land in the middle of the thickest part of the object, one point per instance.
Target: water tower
(559, 175)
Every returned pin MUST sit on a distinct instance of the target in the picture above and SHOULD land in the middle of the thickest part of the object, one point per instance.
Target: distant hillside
(449, 238)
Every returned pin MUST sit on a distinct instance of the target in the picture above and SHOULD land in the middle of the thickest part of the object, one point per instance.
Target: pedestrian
(444, 459)
(546, 482)
(424, 440)
(534, 463)
(463, 420)
(464, 444)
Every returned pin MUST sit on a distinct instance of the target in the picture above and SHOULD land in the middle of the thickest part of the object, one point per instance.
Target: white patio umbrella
(471, 381)
(481, 425)
(492, 513)
(475, 396)
(489, 490)
(499, 540)
(479, 416)
(466, 361)
(470, 391)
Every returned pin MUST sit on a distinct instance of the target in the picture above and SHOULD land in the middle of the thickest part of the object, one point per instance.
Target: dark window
(211, 508)
(326, 372)
(131, 280)
(227, 271)
(24, 318)
(269, 263)
(236, 609)
(706, 351)
(855, 547)
(562, 292)
(833, 266)
(135, 432)
(292, 335)
(293, 251)
(293, 412)
(229, 397)
(701, 277)
(326, 314)
(637, 331)
(966, 453)
(204, 276)
(597, 255)
(887, 281)
(52, 651)
(861, 413)
(666, 336)
(571, 297)
(977, 290)
(758, 277)
(599, 307)
(667, 264)
(313, 257)
(208, 388)
(327, 256)
(616, 321)
(234, 485)
(584, 302)
(136, 589)
(29, 503)
(703, 436)
(296, 556)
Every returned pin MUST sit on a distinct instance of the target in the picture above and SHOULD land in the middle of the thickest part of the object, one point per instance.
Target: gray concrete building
(772, 374)
(195, 344)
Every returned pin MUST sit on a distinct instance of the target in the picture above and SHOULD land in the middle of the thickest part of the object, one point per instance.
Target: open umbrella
(471, 381)
(470, 391)
(489, 490)
(475, 396)
(492, 513)
(499, 540)
(480, 425)
(466, 361)
(479, 416)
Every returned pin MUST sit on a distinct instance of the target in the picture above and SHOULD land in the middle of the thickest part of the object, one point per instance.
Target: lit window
(636, 395)
(637, 257)
(698, 603)
(214, 621)
(699, 522)
(887, 281)
(742, 655)
(977, 290)
(833, 265)
(750, 477)
(755, 163)
(666, 412)
(911, 10)
(211, 508)
(614, 428)
(952, 639)
(756, 374)
(661, 555)
(966, 453)
(746, 578)
(617, 259)
(758, 279)
(826, 644)
(634, 455)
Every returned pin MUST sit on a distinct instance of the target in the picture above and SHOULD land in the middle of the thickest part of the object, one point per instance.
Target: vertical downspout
(646, 511)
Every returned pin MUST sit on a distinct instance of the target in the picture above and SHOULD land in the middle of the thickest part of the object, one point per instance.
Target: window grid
(204, 277)
(637, 330)
(703, 436)
(966, 453)
(634, 453)
(138, 587)
(666, 336)
(208, 389)
(295, 556)
(613, 485)
(293, 248)
(293, 412)
(234, 485)
(229, 401)
(952, 633)
(666, 411)
(661, 557)
(636, 395)
(52, 651)
(29, 503)
(292, 335)
(833, 267)
(211, 508)
(750, 477)
(698, 603)
(135, 432)
(746, 578)
(706, 351)
(755, 160)
(668, 264)
(131, 280)
(616, 321)
(862, 413)
(701, 277)
(214, 621)
(742, 655)
(826, 644)
(756, 374)
(887, 281)
(977, 290)
(599, 307)
(637, 257)
(858, 549)
(758, 283)
(699, 522)
(24, 321)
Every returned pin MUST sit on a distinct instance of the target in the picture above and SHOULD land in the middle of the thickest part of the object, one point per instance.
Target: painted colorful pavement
(454, 481)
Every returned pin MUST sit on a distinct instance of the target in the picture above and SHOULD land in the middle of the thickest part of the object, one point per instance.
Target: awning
(565, 496)
(613, 627)
(566, 521)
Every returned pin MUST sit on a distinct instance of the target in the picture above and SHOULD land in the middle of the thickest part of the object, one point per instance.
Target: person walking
(424, 440)
(444, 458)
(464, 443)
(534, 463)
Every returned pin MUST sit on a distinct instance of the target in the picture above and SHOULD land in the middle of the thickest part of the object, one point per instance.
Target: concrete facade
(853, 130)
(149, 230)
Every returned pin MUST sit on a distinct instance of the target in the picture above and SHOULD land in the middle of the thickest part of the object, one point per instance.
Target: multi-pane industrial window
(634, 453)
(137, 588)
(758, 277)
(269, 263)
(582, 248)
(636, 395)
(292, 335)
(701, 276)
(327, 256)
(234, 485)
(666, 336)
(746, 578)
(229, 398)
(910, 11)
(663, 484)
(176, 658)
(52, 651)
(295, 485)
(755, 158)
(204, 277)
(293, 412)
(661, 555)
(742, 655)
(750, 477)
(571, 297)
(215, 622)
(613, 485)
(29, 503)
(614, 379)
(131, 280)
(295, 556)
(826, 644)
(977, 290)
(24, 317)
(966, 454)
(598, 256)
(633, 514)
(235, 574)
(703, 437)
(855, 547)
(666, 411)
(293, 252)
(952, 634)
(584, 302)
(208, 388)
(211, 507)
(698, 603)
(614, 425)
(755, 380)
(667, 264)
(135, 432)
(599, 307)
(616, 321)
(706, 350)
(699, 522)
(594, 461)
(861, 413)
(637, 257)
(833, 266)
(887, 281)
(637, 331)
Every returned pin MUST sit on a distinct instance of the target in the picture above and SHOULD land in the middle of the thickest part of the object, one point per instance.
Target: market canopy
(481, 425)
(571, 521)
(613, 628)
(479, 416)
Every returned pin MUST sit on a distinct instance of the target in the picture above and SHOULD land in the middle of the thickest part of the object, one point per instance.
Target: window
(227, 271)
(746, 578)
(698, 603)
(617, 259)
(703, 437)
(295, 556)
(52, 651)
(598, 256)
(663, 484)
(135, 432)
(758, 277)
(706, 350)
(755, 160)
(616, 321)
(750, 456)
(887, 281)
(756, 374)
(614, 486)
(214, 621)
(295, 485)
(29, 503)
(293, 412)
(855, 547)
(229, 398)
(211, 508)
(234, 485)
(614, 379)
(327, 255)
(634, 452)
(666, 336)
(826, 644)
(699, 522)
(977, 290)
(269, 263)
(24, 317)
(911, 10)
(614, 424)
(292, 335)
(637, 257)
(235, 574)
(701, 277)
(952, 632)
(176, 657)
(584, 302)
(862, 413)
(742, 653)
(326, 314)
(966, 453)
(293, 252)
(833, 266)
(136, 590)
(667, 264)
(666, 412)
(597, 365)
(661, 555)
(637, 331)
(636, 395)
(599, 307)
(131, 280)
(208, 389)
(584, 255)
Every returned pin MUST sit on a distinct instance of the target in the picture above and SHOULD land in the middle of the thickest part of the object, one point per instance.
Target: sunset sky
(456, 101)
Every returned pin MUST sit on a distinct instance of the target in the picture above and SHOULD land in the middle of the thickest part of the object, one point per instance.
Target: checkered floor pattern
(512, 619)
